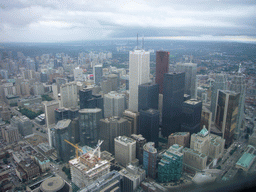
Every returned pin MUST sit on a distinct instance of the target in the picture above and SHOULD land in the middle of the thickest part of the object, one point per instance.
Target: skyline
(63, 21)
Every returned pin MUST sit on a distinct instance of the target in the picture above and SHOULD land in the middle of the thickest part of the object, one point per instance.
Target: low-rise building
(180, 138)
(247, 159)
(29, 168)
(42, 162)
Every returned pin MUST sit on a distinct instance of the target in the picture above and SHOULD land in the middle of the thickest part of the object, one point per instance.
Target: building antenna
(137, 41)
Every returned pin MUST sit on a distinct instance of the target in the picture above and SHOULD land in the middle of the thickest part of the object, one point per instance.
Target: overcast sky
(72, 20)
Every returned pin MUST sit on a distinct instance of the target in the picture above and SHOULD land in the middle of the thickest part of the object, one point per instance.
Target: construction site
(87, 168)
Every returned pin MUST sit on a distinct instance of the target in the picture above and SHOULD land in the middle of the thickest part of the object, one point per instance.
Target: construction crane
(97, 148)
(75, 146)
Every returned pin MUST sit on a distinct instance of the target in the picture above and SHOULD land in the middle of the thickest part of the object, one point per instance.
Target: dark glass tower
(84, 96)
(162, 67)
(191, 110)
(173, 96)
(149, 125)
(148, 96)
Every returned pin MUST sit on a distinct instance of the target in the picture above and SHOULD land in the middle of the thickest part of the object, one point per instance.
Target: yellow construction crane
(75, 146)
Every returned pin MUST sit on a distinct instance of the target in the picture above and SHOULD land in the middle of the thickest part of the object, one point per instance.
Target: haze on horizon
(76, 20)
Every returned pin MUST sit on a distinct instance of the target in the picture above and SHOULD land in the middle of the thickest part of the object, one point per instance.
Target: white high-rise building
(190, 70)
(68, 94)
(50, 106)
(139, 70)
(79, 74)
(114, 104)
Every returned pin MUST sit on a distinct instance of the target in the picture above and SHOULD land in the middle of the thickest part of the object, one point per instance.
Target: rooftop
(246, 160)
(63, 124)
(125, 139)
(96, 110)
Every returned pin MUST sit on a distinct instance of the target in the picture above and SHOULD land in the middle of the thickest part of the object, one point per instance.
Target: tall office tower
(114, 104)
(49, 107)
(238, 85)
(38, 88)
(61, 113)
(206, 118)
(139, 71)
(65, 113)
(180, 138)
(162, 67)
(132, 177)
(125, 150)
(110, 128)
(110, 83)
(79, 74)
(226, 114)
(191, 112)
(62, 131)
(170, 166)
(150, 159)
(97, 73)
(173, 94)
(68, 94)
(133, 118)
(89, 120)
(140, 142)
(88, 100)
(75, 135)
(149, 125)
(148, 96)
(84, 96)
(190, 70)
(24, 125)
(220, 83)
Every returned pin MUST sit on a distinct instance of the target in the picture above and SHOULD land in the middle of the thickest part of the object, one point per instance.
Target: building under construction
(87, 168)
(170, 166)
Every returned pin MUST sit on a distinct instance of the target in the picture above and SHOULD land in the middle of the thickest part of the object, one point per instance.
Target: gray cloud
(64, 20)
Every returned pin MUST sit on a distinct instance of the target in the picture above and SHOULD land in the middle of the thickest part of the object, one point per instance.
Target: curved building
(54, 184)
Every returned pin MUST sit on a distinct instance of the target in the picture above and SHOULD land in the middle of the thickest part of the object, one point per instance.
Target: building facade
(89, 120)
(114, 104)
(139, 70)
(150, 159)
(180, 138)
(162, 67)
(148, 96)
(190, 70)
(68, 94)
(173, 94)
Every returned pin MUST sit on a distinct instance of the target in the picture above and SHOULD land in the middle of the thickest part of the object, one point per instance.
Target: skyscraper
(68, 93)
(114, 104)
(226, 114)
(110, 128)
(149, 125)
(150, 159)
(139, 70)
(62, 131)
(89, 120)
(220, 83)
(162, 67)
(148, 96)
(49, 107)
(97, 72)
(133, 118)
(173, 94)
(190, 70)
(238, 85)
(191, 112)
(125, 150)
(140, 142)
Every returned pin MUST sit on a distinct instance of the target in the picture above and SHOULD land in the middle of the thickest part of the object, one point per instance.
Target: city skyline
(61, 21)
